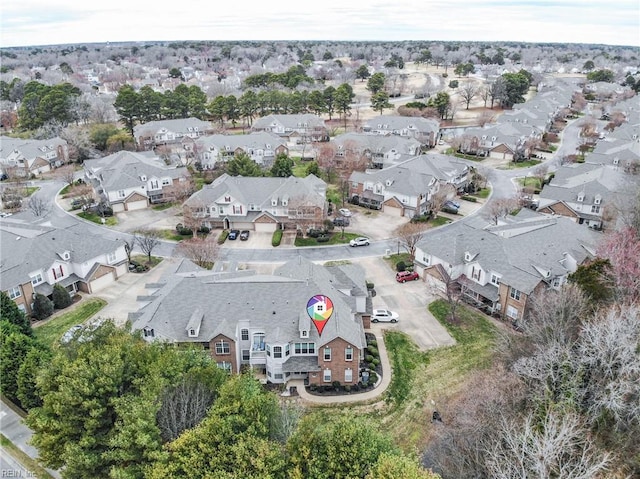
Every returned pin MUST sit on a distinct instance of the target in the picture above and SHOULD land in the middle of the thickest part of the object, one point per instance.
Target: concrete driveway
(410, 301)
(373, 224)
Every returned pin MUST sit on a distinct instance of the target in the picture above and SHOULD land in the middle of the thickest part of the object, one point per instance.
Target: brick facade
(337, 364)
(230, 357)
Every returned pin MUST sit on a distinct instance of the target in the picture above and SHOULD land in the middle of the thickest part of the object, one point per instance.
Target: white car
(384, 316)
(344, 212)
(359, 241)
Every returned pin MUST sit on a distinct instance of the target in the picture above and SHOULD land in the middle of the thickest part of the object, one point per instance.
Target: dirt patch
(373, 224)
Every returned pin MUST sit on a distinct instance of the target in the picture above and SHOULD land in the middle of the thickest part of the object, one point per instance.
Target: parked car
(359, 241)
(244, 236)
(384, 316)
(344, 212)
(449, 209)
(341, 221)
(452, 204)
(233, 234)
(404, 276)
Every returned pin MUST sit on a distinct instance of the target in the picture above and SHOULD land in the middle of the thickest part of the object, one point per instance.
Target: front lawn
(109, 220)
(334, 238)
(521, 164)
(483, 193)
(162, 206)
(172, 235)
(51, 331)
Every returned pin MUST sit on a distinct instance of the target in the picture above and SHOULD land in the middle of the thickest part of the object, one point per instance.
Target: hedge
(276, 238)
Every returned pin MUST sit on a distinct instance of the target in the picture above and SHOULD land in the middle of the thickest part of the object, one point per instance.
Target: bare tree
(410, 234)
(39, 206)
(287, 420)
(444, 193)
(559, 447)
(66, 173)
(500, 207)
(540, 173)
(183, 407)
(485, 118)
(181, 189)
(147, 240)
(468, 92)
(202, 251)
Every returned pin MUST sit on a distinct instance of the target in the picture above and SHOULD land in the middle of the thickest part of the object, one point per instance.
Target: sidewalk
(14, 429)
(375, 393)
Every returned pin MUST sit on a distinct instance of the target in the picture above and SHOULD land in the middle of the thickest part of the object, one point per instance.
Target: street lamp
(398, 247)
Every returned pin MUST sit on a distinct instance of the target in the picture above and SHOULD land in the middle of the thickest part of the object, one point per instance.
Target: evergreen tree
(9, 312)
(61, 297)
(42, 307)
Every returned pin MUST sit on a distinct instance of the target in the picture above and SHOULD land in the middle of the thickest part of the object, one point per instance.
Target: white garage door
(265, 227)
(392, 210)
(101, 282)
(137, 205)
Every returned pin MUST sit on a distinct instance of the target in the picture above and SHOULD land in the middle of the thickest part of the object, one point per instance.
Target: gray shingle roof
(178, 125)
(397, 122)
(254, 140)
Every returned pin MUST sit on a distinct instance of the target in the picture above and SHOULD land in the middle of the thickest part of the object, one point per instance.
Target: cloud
(34, 22)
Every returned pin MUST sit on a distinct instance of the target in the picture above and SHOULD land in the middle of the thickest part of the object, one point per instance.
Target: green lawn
(521, 164)
(52, 330)
(172, 235)
(143, 259)
(162, 206)
(530, 182)
(438, 221)
(336, 238)
(29, 463)
(29, 190)
(300, 167)
(483, 193)
(109, 221)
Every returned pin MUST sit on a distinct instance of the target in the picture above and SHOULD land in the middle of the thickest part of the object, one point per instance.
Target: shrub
(423, 218)
(61, 297)
(368, 358)
(375, 362)
(370, 285)
(373, 377)
(276, 238)
(328, 225)
(42, 307)
(313, 233)
(322, 239)
(453, 84)
(184, 231)
(179, 226)
(373, 342)
(445, 75)
(401, 266)
(473, 199)
(354, 387)
(373, 351)
(204, 229)
(347, 388)
(336, 384)
(223, 236)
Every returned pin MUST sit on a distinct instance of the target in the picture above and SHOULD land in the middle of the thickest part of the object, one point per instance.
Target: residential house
(262, 204)
(376, 150)
(498, 268)
(425, 130)
(510, 141)
(295, 128)
(582, 191)
(27, 157)
(248, 320)
(181, 131)
(262, 147)
(407, 189)
(614, 152)
(36, 257)
(130, 181)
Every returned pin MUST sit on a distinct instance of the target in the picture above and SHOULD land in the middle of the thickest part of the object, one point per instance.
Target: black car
(341, 221)
(233, 234)
(244, 236)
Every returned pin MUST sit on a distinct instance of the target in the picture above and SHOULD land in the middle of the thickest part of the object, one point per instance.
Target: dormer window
(192, 333)
(274, 201)
(227, 199)
(304, 334)
(484, 137)
(597, 200)
(616, 161)
(388, 182)
(148, 332)
(143, 178)
(580, 197)
(467, 256)
(493, 138)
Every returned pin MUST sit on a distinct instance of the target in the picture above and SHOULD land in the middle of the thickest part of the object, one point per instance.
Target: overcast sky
(50, 22)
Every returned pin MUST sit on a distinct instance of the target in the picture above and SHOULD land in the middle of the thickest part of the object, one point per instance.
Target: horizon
(34, 23)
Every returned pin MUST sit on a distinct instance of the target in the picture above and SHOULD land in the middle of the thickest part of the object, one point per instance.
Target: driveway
(373, 224)
(410, 301)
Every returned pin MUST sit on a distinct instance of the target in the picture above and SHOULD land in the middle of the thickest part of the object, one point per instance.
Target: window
(166, 182)
(348, 353)
(304, 348)
(495, 279)
(258, 342)
(277, 376)
(227, 199)
(515, 294)
(512, 312)
(556, 282)
(221, 210)
(595, 209)
(327, 376)
(246, 355)
(111, 257)
(222, 347)
(277, 352)
(287, 350)
(149, 333)
(237, 209)
(225, 366)
(37, 279)
(581, 197)
(14, 292)
(327, 354)
(268, 350)
(121, 194)
(348, 375)
(304, 333)
(192, 333)
(475, 273)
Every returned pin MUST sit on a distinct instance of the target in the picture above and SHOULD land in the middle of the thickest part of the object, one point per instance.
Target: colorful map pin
(320, 309)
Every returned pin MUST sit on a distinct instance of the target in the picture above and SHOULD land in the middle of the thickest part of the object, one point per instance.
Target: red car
(404, 276)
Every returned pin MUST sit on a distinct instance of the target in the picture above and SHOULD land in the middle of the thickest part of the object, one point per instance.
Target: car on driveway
(384, 316)
(452, 204)
(233, 234)
(359, 241)
(404, 276)
(244, 236)
(341, 221)
(344, 212)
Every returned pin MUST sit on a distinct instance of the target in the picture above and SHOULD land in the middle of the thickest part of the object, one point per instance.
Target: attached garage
(265, 223)
(393, 207)
(102, 277)
(501, 152)
(135, 201)
(436, 278)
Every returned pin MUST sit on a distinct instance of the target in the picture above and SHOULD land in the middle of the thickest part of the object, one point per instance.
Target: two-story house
(130, 181)
(582, 192)
(407, 189)
(263, 204)
(502, 140)
(498, 268)
(248, 320)
(26, 157)
(424, 130)
(35, 258)
(262, 147)
(378, 151)
(295, 128)
(167, 132)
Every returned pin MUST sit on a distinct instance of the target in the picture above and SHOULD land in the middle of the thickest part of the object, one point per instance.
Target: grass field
(336, 238)
(109, 221)
(52, 330)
